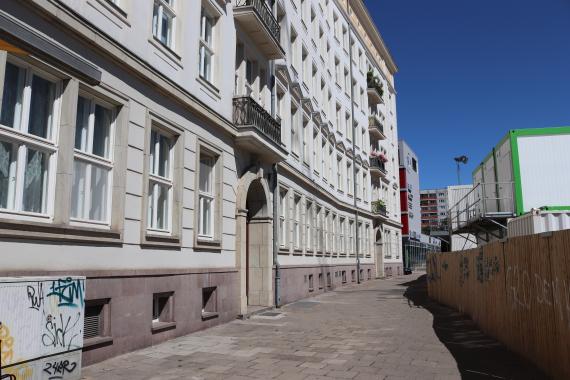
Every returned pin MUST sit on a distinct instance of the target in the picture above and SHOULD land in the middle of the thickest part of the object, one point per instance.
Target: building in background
(188, 190)
(435, 209)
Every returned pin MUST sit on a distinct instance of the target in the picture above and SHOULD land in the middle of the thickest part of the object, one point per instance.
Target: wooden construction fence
(517, 291)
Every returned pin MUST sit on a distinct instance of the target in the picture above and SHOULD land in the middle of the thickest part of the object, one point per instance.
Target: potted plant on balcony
(379, 206)
(383, 157)
(374, 82)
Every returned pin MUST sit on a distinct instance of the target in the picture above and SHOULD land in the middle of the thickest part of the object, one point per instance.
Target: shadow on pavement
(478, 356)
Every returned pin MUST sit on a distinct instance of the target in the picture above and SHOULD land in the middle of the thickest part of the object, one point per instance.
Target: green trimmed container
(528, 168)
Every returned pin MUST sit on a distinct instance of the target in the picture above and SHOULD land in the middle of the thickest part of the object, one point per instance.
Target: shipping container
(529, 168)
(538, 221)
(41, 327)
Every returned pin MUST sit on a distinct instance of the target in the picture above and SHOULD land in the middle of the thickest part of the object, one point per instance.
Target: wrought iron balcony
(256, 19)
(259, 132)
(377, 166)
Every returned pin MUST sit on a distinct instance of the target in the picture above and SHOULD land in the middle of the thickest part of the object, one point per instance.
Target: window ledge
(205, 244)
(162, 326)
(209, 87)
(283, 251)
(97, 342)
(206, 316)
(161, 241)
(52, 232)
(115, 10)
(171, 54)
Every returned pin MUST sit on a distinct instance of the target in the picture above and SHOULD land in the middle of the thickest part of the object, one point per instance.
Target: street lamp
(460, 160)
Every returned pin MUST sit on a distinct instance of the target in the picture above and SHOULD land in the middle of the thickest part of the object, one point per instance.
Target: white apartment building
(194, 159)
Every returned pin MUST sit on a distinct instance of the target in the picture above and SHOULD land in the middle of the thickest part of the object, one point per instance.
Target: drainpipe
(275, 239)
(354, 193)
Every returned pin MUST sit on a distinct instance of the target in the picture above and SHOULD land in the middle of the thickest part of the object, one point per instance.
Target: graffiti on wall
(487, 267)
(41, 328)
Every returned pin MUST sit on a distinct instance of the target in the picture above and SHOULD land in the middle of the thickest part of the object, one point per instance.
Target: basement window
(321, 281)
(96, 322)
(329, 280)
(209, 303)
(163, 311)
(353, 275)
(311, 284)
(370, 274)
(343, 274)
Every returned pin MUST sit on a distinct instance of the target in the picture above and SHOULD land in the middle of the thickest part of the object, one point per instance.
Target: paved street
(384, 329)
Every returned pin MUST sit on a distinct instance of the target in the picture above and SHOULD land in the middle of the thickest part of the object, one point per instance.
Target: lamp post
(460, 160)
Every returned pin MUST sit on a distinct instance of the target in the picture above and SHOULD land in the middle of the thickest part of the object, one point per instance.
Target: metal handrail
(247, 113)
(264, 13)
(482, 202)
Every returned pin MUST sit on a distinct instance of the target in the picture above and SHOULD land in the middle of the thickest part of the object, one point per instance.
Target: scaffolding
(415, 253)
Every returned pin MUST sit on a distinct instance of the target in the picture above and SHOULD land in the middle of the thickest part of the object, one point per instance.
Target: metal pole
(353, 154)
(276, 238)
(458, 174)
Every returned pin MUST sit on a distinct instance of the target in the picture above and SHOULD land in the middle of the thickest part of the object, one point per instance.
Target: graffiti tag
(58, 332)
(463, 270)
(487, 267)
(58, 369)
(36, 295)
(68, 291)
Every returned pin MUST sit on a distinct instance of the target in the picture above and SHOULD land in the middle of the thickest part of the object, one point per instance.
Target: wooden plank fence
(517, 291)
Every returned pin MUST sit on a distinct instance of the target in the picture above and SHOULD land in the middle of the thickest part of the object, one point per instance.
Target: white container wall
(528, 169)
(537, 222)
(463, 242)
(41, 327)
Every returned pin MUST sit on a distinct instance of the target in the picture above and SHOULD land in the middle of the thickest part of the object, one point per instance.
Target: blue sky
(471, 70)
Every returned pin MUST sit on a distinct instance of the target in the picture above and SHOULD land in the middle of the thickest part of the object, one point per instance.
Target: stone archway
(379, 253)
(254, 253)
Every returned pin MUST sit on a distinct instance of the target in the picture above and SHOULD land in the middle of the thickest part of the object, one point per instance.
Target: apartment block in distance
(195, 160)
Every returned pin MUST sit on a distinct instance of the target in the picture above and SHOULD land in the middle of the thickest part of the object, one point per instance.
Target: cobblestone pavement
(383, 329)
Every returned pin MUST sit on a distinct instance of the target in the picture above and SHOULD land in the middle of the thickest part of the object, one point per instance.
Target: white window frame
(94, 160)
(158, 180)
(23, 141)
(283, 217)
(296, 228)
(205, 47)
(168, 7)
(203, 196)
(308, 225)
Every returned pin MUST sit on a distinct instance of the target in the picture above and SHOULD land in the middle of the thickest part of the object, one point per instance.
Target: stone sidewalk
(383, 329)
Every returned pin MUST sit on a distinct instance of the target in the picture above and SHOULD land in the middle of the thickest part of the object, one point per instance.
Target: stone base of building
(125, 300)
(298, 282)
(391, 270)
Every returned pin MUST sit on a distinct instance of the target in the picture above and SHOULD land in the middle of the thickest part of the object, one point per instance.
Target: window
(206, 53)
(207, 196)
(321, 281)
(308, 227)
(415, 164)
(162, 308)
(327, 228)
(353, 275)
(348, 178)
(342, 243)
(319, 225)
(329, 280)
(209, 303)
(334, 232)
(163, 22)
(348, 127)
(316, 151)
(365, 186)
(297, 222)
(343, 276)
(295, 133)
(339, 171)
(351, 237)
(323, 152)
(311, 283)
(27, 149)
(306, 138)
(367, 240)
(160, 182)
(92, 161)
(96, 319)
(282, 217)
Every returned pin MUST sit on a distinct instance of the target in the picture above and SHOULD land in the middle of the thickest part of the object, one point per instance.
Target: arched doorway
(254, 248)
(379, 254)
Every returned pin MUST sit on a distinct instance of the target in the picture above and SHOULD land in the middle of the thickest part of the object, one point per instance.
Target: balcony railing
(376, 163)
(264, 13)
(249, 114)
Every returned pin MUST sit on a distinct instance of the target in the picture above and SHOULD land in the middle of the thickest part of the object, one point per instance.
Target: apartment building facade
(194, 159)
